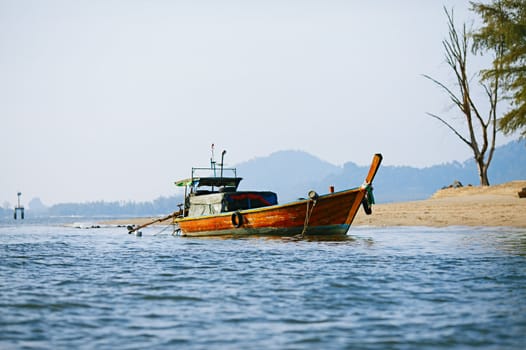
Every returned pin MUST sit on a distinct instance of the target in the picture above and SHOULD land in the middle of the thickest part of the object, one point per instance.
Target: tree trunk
(483, 173)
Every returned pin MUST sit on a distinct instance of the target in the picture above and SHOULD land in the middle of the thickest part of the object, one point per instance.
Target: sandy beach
(497, 205)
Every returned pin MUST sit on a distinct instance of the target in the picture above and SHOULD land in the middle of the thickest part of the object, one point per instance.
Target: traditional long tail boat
(214, 206)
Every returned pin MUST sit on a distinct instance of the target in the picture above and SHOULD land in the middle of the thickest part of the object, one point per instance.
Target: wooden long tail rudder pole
(132, 229)
(377, 159)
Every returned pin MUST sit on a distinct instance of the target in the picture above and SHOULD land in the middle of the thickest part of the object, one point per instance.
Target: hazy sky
(116, 99)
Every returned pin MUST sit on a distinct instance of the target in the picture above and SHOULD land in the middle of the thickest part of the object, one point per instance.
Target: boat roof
(211, 181)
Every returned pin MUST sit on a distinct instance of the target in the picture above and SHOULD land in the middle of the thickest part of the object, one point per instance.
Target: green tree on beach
(481, 128)
(504, 26)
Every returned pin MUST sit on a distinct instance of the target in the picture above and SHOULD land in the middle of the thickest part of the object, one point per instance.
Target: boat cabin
(211, 195)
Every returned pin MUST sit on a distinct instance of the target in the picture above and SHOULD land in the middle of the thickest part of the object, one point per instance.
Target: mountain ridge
(392, 183)
(291, 174)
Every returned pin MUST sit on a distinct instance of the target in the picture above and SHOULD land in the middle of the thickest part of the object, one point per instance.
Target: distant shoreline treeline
(159, 206)
(300, 171)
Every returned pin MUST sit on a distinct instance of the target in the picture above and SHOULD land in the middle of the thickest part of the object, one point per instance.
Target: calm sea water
(388, 288)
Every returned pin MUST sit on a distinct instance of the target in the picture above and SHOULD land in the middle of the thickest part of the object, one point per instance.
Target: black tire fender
(366, 206)
(237, 219)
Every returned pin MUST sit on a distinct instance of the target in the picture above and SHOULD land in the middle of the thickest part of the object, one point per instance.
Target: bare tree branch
(456, 55)
(452, 96)
(450, 127)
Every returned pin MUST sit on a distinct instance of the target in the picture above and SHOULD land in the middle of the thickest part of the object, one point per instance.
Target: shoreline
(492, 206)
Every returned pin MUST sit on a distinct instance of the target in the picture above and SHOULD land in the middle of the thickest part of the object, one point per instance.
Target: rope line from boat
(136, 229)
(163, 229)
(314, 199)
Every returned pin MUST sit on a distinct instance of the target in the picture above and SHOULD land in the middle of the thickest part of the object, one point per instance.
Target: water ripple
(398, 288)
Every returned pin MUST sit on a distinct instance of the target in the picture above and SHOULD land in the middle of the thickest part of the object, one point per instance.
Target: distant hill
(287, 173)
(292, 174)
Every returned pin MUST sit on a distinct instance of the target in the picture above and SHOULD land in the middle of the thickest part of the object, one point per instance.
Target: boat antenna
(222, 162)
(212, 161)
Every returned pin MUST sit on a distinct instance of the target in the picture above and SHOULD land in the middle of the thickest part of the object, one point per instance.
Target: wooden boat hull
(331, 214)
(327, 215)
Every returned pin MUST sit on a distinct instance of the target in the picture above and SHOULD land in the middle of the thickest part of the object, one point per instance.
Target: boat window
(250, 200)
